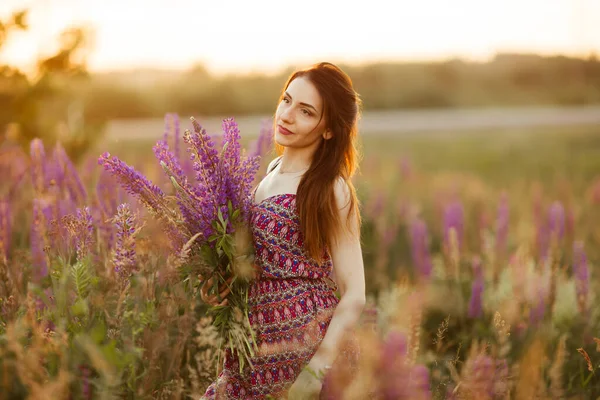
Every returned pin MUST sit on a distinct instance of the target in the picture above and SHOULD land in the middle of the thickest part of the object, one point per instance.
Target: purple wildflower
(481, 376)
(72, 182)
(419, 376)
(124, 258)
(581, 273)
(108, 197)
(83, 240)
(453, 219)
(264, 141)
(420, 248)
(39, 238)
(38, 165)
(5, 229)
(475, 303)
(398, 379)
(245, 183)
(150, 195)
(556, 220)
(135, 183)
(538, 309)
(86, 387)
(502, 224)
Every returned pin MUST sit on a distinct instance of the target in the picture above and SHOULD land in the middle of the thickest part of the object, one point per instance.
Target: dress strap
(277, 161)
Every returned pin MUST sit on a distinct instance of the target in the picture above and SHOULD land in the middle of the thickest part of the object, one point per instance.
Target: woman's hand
(213, 299)
(305, 387)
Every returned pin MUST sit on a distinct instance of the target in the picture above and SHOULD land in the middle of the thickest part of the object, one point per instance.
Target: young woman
(306, 228)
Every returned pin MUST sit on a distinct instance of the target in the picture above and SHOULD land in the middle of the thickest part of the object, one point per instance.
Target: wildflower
(5, 229)
(124, 258)
(475, 306)
(581, 275)
(453, 219)
(420, 248)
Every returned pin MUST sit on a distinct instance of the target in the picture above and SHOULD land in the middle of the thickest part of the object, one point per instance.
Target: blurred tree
(49, 105)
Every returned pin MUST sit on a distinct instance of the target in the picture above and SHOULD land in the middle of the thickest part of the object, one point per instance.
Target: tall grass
(480, 254)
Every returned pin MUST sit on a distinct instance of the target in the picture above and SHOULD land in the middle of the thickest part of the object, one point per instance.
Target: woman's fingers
(213, 299)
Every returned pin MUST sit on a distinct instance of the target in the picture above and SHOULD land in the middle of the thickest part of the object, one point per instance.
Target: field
(481, 249)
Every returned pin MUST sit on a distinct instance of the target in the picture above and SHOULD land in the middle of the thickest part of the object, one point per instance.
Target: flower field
(480, 250)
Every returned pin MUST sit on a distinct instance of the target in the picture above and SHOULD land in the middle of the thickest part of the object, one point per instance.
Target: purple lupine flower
(475, 303)
(86, 387)
(150, 195)
(249, 168)
(502, 220)
(162, 153)
(5, 229)
(188, 197)
(83, 239)
(420, 248)
(543, 240)
(38, 165)
(581, 274)
(393, 382)
(107, 193)
(453, 219)
(420, 385)
(556, 220)
(481, 376)
(398, 379)
(230, 161)
(39, 238)
(134, 183)
(55, 177)
(124, 258)
(231, 137)
(72, 181)
(538, 309)
(206, 162)
(108, 197)
(265, 139)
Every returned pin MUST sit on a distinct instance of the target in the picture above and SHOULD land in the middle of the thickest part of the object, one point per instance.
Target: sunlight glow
(265, 35)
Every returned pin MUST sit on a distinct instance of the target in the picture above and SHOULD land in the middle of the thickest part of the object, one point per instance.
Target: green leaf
(80, 308)
(82, 279)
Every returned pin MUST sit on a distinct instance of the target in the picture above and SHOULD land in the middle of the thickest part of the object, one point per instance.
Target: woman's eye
(285, 100)
(306, 112)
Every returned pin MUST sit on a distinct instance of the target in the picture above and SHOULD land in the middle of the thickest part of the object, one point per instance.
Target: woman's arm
(350, 277)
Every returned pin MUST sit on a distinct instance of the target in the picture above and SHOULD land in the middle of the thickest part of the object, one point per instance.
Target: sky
(265, 35)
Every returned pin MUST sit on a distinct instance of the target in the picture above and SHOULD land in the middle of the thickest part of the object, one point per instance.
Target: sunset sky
(244, 36)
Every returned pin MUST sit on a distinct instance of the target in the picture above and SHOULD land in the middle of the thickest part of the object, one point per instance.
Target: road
(395, 122)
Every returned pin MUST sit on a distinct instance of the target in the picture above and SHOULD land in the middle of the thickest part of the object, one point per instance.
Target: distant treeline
(506, 80)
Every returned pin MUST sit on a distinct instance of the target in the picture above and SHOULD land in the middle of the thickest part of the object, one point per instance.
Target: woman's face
(298, 116)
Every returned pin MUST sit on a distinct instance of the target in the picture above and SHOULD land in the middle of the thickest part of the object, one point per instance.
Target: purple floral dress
(290, 306)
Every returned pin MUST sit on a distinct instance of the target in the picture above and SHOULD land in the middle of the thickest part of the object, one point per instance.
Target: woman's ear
(327, 135)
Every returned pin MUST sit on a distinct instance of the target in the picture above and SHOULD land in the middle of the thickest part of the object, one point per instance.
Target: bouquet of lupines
(207, 219)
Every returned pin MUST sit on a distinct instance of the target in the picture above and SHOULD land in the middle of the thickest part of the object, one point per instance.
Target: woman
(306, 226)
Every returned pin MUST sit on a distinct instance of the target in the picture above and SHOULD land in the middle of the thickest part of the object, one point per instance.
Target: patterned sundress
(290, 306)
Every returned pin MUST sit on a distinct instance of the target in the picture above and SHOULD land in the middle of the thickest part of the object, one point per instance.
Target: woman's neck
(294, 161)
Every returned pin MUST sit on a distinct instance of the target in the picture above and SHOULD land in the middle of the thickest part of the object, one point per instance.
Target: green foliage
(49, 104)
(506, 80)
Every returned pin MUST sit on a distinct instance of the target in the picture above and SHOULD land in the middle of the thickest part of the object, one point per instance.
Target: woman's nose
(286, 114)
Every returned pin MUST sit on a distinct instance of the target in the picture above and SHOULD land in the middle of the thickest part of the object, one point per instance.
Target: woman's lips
(284, 131)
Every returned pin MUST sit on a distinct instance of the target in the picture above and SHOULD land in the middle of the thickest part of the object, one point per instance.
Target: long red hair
(335, 158)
